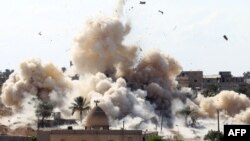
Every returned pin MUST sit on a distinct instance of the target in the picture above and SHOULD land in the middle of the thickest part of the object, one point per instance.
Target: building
(211, 80)
(96, 129)
(229, 82)
(14, 138)
(57, 121)
(192, 79)
(223, 81)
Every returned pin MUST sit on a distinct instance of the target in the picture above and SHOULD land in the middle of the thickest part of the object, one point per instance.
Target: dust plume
(231, 104)
(136, 88)
(99, 48)
(120, 6)
(43, 81)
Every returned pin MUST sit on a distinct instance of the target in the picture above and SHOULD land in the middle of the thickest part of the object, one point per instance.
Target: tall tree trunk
(42, 122)
(81, 116)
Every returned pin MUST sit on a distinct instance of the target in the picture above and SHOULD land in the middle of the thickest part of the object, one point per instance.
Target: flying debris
(161, 12)
(175, 28)
(225, 37)
(131, 8)
(70, 63)
(40, 33)
(142, 2)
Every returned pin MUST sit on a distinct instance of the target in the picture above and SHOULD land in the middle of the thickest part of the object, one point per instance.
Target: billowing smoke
(99, 47)
(131, 87)
(44, 81)
(125, 84)
(230, 103)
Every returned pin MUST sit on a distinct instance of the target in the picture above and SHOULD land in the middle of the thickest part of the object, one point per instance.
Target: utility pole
(162, 108)
(218, 118)
(161, 119)
(123, 124)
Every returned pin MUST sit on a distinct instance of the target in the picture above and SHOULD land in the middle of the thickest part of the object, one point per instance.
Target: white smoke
(136, 92)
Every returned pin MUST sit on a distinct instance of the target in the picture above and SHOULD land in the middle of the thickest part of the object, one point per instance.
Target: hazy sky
(189, 30)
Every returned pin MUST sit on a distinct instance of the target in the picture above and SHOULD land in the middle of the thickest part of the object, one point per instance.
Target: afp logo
(236, 132)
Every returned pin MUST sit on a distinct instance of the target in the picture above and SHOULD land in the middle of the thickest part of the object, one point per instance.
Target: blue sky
(189, 30)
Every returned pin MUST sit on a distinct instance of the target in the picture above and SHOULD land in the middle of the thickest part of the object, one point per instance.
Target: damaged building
(197, 81)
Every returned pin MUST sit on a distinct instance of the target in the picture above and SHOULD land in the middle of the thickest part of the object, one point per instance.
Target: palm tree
(80, 104)
(189, 112)
(44, 110)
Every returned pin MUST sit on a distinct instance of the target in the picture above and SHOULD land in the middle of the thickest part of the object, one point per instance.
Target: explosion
(232, 104)
(137, 91)
(41, 80)
(124, 85)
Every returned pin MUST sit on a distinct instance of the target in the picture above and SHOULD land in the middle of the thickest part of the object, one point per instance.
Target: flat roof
(66, 131)
(212, 76)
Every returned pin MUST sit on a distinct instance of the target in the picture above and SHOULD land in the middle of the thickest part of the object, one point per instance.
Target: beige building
(211, 80)
(229, 82)
(223, 81)
(96, 129)
(192, 79)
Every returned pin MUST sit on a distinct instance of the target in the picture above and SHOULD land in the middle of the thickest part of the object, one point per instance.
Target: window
(195, 80)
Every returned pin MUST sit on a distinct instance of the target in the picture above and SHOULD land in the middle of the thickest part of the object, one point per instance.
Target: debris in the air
(142, 2)
(175, 28)
(160, 11)
(131, 8)
(40, 33)
(225, 37)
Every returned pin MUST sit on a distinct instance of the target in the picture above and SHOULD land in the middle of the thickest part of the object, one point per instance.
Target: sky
(191, 31)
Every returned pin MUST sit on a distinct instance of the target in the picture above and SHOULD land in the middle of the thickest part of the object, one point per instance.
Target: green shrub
(213, 136)
(155, 138)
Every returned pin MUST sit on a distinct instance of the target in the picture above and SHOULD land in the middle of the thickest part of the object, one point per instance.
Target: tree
(80, 104)
(213, 136)
(33, 138)
(154, 138)
(5, 75)
(188, 112)
(246, 74)
(244, 89)
(44, 110)
(211, 90)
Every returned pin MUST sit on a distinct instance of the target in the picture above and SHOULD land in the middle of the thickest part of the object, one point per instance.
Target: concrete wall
(210, 81)
(90, 135)
(224, 81)
(98, 137)
(14, 138)
(192, 79)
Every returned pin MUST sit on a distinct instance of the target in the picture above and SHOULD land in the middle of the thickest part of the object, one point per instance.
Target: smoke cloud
(36, 79)
(125, 84)
(135, 88)
(231, 104)
(99, 48)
